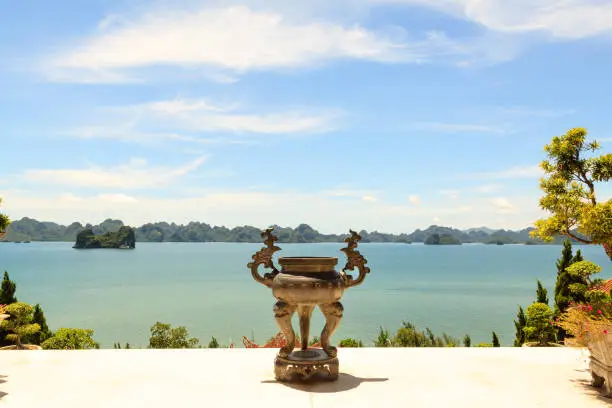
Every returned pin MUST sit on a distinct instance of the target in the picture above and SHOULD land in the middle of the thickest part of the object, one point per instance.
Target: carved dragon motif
(264, 257)
(354, 260)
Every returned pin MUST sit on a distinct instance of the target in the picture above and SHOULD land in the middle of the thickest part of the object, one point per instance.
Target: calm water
(207, 287)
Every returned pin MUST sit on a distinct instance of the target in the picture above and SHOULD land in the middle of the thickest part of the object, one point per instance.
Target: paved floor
(460, 377)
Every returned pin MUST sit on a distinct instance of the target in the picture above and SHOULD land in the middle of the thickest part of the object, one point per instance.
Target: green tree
(7, 290)
(38, 317)
(19, 324)
(467, 341)
(519, 325)
(163, 336)
(539, 326)
(349, 342)
(495, 341)
(541, 294)
(213, 343)
(4, 221)
(569, 185)
(71, 339)
(562, 292)
(383, 339)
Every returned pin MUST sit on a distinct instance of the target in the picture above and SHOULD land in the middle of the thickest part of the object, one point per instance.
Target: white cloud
(414, 199)
(458, 127)
(543, 113)
(235, 37)
(134, 175)
(369, 198)
(186, 119)
(233, 208)
(452, 194)
(117, 198)
(516, 172)
(567, 19)
(503, 206)
(488, 188)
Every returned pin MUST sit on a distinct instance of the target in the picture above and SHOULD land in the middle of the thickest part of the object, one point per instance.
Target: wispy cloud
(235, 38)
(516, 172)
(452, 194)
(458, 127)
(570, 19)
(503, 205)
(224, 42)
(136, 174)
(192, 120)
(543, 113)
(414, 199)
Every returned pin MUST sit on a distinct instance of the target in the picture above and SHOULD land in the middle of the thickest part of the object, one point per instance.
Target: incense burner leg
(283, 312)
(333, 314)
(305, 312)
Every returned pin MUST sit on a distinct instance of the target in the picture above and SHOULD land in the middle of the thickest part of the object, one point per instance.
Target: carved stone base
(602, 376)
(306, 365)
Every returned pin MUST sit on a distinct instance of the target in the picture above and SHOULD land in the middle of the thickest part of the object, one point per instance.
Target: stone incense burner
(300, 285)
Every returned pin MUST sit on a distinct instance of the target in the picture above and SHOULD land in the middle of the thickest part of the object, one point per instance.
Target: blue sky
(387, 115)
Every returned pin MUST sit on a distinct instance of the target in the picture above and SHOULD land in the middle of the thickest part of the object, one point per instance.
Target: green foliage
(125, 237)
(71, 339)
(541, 294)
(19, 324)
(484, 345)
(4, 221)
(163, 336)
(467, 341)
(444, 239)
(410, 336)
(349, 342)
(539, 326)
(495, 341)
(571, 174)
(38, 317)
(7, 290)
(314, 340)
(383, 339)
(519, 325)
(213, 343)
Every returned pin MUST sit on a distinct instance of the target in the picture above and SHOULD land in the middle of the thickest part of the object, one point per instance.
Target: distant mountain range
(28, 229)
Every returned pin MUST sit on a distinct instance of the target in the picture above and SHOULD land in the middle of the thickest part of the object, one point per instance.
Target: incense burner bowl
(302, 284)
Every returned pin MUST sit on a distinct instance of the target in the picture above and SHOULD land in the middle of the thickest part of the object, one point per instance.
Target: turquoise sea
(207, 287)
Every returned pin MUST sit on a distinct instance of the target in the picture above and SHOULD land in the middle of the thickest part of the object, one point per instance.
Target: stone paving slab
(370, 377)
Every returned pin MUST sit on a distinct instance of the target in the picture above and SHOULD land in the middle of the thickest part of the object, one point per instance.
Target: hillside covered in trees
(28, 229)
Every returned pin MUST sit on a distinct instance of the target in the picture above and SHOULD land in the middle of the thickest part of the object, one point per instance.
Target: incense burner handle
(354, 260)
(264, 257)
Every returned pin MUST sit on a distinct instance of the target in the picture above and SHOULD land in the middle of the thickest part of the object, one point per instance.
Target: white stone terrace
(370, 377)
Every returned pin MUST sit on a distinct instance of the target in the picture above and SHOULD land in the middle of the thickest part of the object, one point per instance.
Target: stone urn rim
(308, 263)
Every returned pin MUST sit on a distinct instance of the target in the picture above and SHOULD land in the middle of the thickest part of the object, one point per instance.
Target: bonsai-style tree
(71, 339)
(539, 326)
(569, 191)
(164, 336)
(19, 323)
